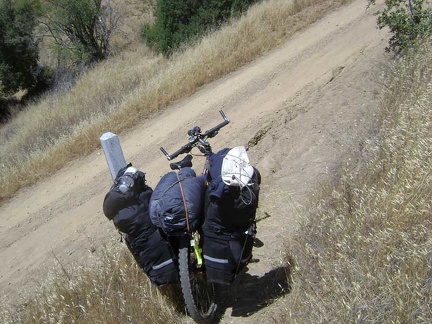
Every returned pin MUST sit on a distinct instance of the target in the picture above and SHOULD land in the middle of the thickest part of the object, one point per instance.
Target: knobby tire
(199, 296)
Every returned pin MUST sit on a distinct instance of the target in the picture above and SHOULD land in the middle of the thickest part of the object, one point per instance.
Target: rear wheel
(199, 296)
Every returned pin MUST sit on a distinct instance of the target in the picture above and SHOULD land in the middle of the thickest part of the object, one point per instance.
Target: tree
(81, 29)
(408, 21)
(19, 52)
(178, 22)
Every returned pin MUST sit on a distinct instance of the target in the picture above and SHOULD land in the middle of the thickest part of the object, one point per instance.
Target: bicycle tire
(199, 296)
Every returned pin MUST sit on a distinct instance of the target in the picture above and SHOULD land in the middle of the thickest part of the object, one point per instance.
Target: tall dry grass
(117, 94)
(364, 251)
(113, 291)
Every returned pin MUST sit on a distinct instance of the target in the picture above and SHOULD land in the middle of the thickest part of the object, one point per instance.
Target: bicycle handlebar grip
(165, 153)
(211, 131)
(183, 149)
(223, 115)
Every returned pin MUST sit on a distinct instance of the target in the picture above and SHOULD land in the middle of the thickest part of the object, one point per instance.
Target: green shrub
(18, 48)
(19, 54)
(182, 21)
(408, 21)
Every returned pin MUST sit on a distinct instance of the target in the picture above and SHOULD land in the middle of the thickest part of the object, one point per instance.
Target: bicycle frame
(190, 263)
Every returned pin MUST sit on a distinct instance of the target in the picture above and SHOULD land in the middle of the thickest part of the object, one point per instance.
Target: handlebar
(197, 138)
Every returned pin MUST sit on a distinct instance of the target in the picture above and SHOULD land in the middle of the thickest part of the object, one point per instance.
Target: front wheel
(199, 296)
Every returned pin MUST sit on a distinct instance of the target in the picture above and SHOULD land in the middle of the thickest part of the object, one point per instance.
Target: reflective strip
(206, 257)
(163, 264)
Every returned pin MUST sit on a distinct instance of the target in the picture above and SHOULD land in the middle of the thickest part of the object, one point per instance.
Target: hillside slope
(299, 108)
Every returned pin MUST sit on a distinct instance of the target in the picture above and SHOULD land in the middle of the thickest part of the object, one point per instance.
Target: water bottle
(126, 181)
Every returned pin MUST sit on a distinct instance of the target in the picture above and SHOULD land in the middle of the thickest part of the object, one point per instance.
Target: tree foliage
(18, 48)
(81, 29)
(181, 21)
(408, 20)
(19, 54)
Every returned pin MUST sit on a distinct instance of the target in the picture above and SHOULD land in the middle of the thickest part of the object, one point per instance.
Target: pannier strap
(222, 233)
(184, 203)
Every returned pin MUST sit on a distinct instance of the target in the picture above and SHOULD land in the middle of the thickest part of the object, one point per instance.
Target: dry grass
(114, 291)
(364, 252)
(117, 93)
(114, 96)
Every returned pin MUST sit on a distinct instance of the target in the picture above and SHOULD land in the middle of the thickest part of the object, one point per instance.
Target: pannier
(176, 204)
(229, 225)
(226, 254)
(129, 210)
(155, 257)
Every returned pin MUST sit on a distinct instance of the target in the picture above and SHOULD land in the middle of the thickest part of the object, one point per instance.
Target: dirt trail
(299, 107)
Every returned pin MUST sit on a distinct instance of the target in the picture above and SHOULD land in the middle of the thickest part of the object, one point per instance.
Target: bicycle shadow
(250, 294)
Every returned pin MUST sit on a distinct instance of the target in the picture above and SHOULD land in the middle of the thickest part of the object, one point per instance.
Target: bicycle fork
(194, 242)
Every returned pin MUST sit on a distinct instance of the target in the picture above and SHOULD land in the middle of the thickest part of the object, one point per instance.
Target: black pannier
(155, 257)
(229, 225)
(235, 209)
(177, 202)
(129, 211)
(225, 255)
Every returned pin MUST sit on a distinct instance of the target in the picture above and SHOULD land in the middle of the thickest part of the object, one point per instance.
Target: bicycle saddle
(186, 162)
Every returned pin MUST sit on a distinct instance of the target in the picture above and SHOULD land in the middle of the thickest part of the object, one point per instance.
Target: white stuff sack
(236, 169)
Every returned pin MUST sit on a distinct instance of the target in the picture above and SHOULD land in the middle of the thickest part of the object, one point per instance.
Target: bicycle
(198, 294)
